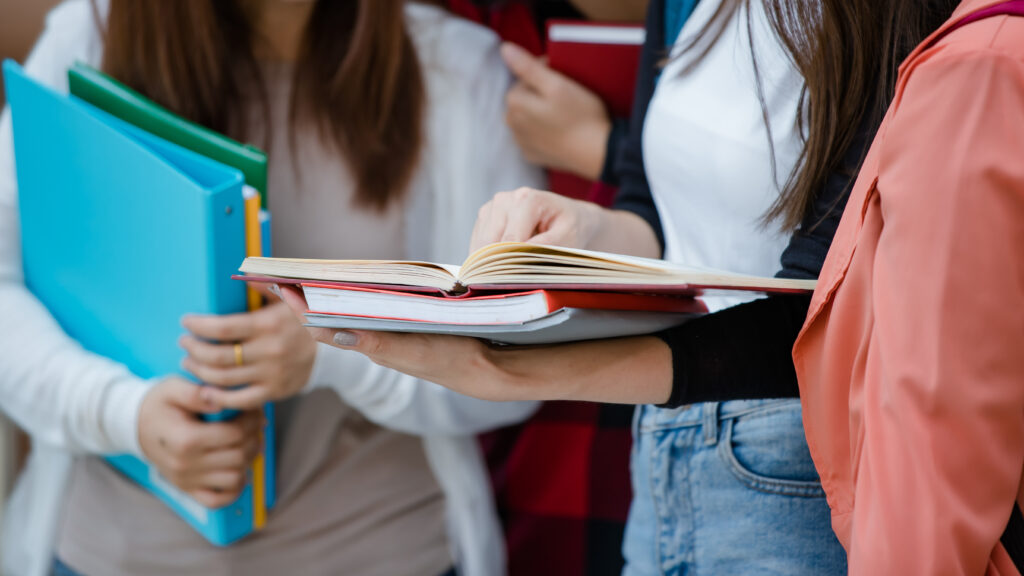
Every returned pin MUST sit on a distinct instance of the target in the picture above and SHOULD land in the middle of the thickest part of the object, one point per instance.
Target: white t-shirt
(706, 149)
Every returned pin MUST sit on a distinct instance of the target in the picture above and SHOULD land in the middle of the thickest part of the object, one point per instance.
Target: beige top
(353, 498)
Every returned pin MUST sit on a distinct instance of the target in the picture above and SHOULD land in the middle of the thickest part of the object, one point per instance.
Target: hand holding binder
(277, 352)
(207, 460)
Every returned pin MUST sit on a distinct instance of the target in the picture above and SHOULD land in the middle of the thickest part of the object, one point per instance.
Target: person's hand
(267, 355)
(634, 370)
(556, 122)
(207, 460)
(528, 215)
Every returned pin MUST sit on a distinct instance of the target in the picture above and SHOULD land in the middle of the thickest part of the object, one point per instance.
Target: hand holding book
(624, 370)
(557, 122)
(539, 217)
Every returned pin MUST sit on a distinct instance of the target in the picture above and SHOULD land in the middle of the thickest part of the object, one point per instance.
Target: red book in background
(604, 58)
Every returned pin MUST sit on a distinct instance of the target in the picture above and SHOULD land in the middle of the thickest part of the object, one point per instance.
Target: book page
(537, 265)
(397, 272)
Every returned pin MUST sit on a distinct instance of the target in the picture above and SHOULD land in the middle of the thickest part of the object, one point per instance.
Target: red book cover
(555, 299)
(601, 56)
(604, 58)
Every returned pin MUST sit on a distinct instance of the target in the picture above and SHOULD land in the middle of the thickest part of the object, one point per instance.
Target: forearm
(623, 232)
(627, 370)
(742, 353)
(408, 404)
(618, 371)
(59, 393)
(585, 152)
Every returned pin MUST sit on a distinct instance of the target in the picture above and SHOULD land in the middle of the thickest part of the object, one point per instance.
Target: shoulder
(989, 39)
(1008, 36)
(452, 46)
(71, 33)
(69, 14)
(954, 128)
(1002, 34)
(982, 55)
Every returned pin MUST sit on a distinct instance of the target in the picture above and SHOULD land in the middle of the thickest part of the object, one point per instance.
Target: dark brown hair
(848, 52)
(357, 78)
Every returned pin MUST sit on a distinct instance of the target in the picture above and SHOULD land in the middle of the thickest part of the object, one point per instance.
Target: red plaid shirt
(562, 488)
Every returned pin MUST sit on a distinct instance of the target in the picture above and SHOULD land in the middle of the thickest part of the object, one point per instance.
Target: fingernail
(346, 338)
(275, 290)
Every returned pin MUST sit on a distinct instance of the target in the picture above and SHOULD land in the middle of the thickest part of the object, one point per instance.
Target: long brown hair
(847, 52)
(357, 79)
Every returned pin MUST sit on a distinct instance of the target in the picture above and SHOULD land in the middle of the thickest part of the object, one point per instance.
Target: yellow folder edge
(254, 247)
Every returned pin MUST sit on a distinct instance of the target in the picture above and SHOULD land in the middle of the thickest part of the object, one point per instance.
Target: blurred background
(20, 24)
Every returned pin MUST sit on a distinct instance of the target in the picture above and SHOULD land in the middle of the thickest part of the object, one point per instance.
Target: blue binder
(123, 234)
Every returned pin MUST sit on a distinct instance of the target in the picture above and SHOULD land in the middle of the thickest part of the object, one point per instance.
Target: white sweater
(72, 401)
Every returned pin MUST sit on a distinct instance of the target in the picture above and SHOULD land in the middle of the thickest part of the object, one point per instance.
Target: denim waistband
(653, 417)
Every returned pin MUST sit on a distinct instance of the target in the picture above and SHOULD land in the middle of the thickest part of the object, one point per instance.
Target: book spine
(253, 236)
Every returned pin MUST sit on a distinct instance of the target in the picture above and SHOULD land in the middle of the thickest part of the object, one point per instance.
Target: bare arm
(621, 371)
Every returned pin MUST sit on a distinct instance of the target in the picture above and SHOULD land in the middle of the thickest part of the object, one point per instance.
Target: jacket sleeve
(634, 193)
(58, 392)
(940, 461)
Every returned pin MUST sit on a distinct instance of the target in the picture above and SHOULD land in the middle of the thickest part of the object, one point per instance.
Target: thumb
(529, 69)
(294, 298)
(269, 291)
(187, 396)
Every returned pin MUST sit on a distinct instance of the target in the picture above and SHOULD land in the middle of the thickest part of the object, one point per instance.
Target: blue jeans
(727, 488)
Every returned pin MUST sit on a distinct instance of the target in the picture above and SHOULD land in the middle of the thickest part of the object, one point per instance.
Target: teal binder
(122, 234)
(107, 94)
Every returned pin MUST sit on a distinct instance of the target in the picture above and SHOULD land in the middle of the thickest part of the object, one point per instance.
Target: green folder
(115, 98)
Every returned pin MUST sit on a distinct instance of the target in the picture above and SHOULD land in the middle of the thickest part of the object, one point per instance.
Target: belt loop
(638, 416)
(710, 423)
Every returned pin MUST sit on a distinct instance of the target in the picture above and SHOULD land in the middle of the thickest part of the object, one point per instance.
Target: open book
(514, 266)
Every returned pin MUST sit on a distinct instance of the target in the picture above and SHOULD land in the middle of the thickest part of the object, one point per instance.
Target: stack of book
(510, 293)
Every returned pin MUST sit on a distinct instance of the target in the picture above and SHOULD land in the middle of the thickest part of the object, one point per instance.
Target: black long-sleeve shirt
(634, 193)
(742, 352)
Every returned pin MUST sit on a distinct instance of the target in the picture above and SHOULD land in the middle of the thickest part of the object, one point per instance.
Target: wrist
(588, 146)
(598, 221)
(120, 415)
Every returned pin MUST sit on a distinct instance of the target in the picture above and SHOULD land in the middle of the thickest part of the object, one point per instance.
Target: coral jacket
(911, 363)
